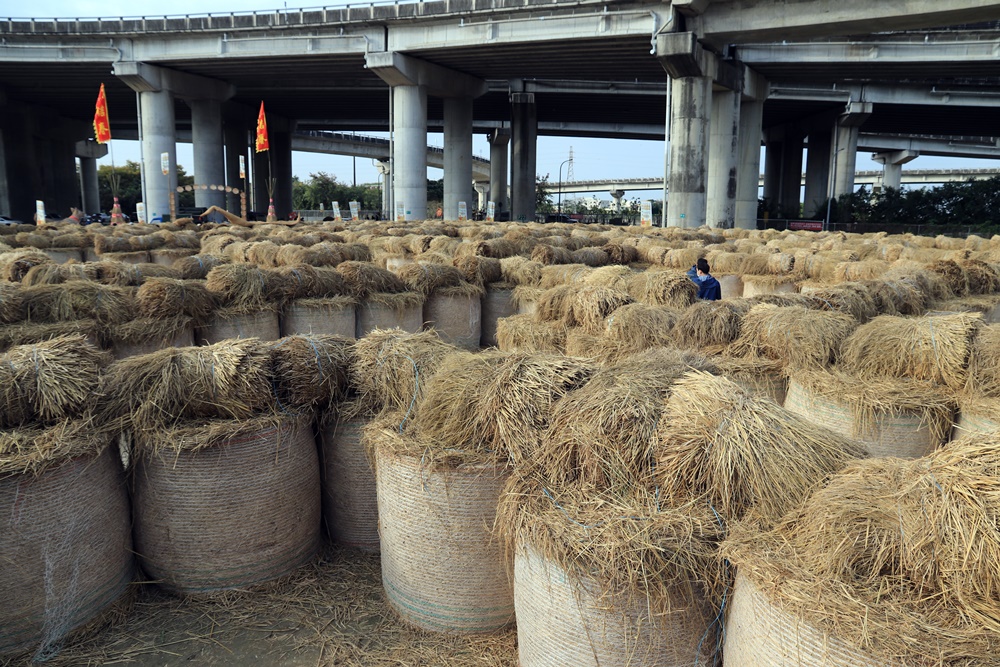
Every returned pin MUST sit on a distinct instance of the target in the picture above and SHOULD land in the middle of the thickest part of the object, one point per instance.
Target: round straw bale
(726, 262)
(663, 288)
(563, 274)
(14, 265)
(12, 308)
(48, 380)
(66, 547)
(196, 266)
(390, 367)
(523, 333)
(708, 324)
(556, 305)
(880, 555)
(868, 270)
(615, 277)
(350, 504)
(853, 299)
(311, 371)
(382, 310)
(456, 314)
(984, 363)
(479, 270)
(682, 258)
(441, 568)
(426, 278)
(231, 379)
(591, 305)
(934, 349)
(591, 257)
(547, 254)
(902, 418)
(247, 288)
(328, 316)
(203, 526)
(798, 337)
(759, 377)
(575, 608)
(982, 277)
(742, 454)
(620, 254)
(169, 297)
(976, 415)
(953, 275)
(51, 273)
(637, 327)
(363, 279)
(897, 297)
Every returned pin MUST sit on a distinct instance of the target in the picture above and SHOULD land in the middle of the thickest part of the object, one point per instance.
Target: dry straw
(246, 288)
(305, 282)
(231, 379)
(33, 449)
(390, 367)
(601, 435)
(311, 371)
(14, 265)
(982, 277)
(547, 254)
(619, 253)
(984, 363)
(563, 274)
(170, 297)
(78, 300)
(161, 331)
(898, 558)
(853, 299)
(590, 257)
(479, 271)
(429, 278)
(934, 349)
(798, 337)
(54, 274)
(741, 454)
(196, 266)
(953, 275)
(663, 288)
(363, 279)
(48, 381)
(12, 308)
(27, 333)
(710, 324)
(637, 327)
(556, 305)
(614, 277)
(898, 297)
(591, 305)
(521, 333)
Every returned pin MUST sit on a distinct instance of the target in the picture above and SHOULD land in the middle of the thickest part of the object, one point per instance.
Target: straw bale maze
(426, 443)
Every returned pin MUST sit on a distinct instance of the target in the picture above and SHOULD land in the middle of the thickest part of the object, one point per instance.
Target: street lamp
(559, 201)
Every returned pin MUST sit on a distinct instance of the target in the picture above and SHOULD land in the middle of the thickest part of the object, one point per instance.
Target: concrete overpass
(530, 66)
(870, 178)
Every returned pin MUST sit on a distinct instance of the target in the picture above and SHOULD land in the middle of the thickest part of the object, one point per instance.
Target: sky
(593, 158)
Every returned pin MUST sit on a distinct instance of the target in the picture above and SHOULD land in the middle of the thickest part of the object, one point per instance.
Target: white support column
(748, 173)
(410, 147)
(723, 159)
(483, 192)
(817, 172)
(790, 200)
(457, 153)
(845, 152)
(158, 137)
(892, 166)
(89, 151)
(385, 178)
(691, 100)
(209, 162)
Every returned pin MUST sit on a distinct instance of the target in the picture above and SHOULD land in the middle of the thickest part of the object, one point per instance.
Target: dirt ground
(330, 613)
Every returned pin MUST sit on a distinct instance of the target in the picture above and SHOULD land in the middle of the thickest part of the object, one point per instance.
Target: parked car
(4, 220)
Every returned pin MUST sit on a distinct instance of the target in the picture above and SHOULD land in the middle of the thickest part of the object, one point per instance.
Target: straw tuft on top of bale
(984, 363)
(602, 434)
(898, 297)
(935, 349)
(953, 275)
(710, 324)
(663, 288)
(427, 278)
(741, 454)
(982, 277)
(556, 305)
(14, 265)
(230, 379)
(614, 277)
(309, 282)
(896, 557)
(12, 307)
(363, 279)
(49, 380)
(54, 274)
(853, 299)
(636, 327)
(244, 287)
(170, 297)
(521, 333)
(390, 367)
(591, 305)
(78, 300)
(311, 371)
(479, 271)
(547, 254)
(30, 450)
(798, 337)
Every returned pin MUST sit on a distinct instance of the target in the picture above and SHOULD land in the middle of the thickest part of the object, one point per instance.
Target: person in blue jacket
(708, 287)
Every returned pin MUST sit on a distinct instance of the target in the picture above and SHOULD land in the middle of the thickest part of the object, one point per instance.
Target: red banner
(102, 125)
(262, 143)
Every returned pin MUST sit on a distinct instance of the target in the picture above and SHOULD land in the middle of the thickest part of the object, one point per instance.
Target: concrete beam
(745, 21)
(949, 49)
(145, 78)
(681, 55)
(398, 69)
(855, 114)
(690, 7)
(906, 94)
(941, 147)
(91, 149)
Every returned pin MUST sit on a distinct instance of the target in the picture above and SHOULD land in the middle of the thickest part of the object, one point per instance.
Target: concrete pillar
(262, 172)
(385, 178)
(65, 184)
(791, 174)
(616, 198)
(773, 150)
(499, 139)
(524, 137)
(281, 147)
(690, 107)
(410, 150)
(845, 160)
(892, 166)
(91, 191)
(482, 192)
(235, 134)
(748, 171)
(723, 159)
(457, 153)
(209, 157)
(817, 173)
(158, 137)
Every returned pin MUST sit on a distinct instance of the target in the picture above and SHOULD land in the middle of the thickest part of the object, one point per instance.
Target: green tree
(130, 187)
(543, 195)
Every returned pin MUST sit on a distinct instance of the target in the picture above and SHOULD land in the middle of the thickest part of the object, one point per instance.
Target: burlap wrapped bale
(497, 303)
(226, 504)
(66, 550)
(350, 500)
(335, 316)
(382, 310)
(456, 315)
(226, 324)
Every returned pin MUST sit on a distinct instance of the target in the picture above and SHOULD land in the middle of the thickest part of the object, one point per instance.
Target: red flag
(262, 144)
(102, 125)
